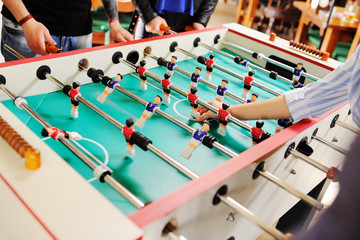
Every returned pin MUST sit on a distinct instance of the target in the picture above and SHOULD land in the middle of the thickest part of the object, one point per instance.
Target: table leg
(240, 11)
(249, 18)
(355, 43)
(330, 39)
(302, 30)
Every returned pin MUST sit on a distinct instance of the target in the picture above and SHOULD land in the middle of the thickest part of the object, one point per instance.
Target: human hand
(198, 26)
(36, 34)
(206, 113)
(154, 25)
(118, 33)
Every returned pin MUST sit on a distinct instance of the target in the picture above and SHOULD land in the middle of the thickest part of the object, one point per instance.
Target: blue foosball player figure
(171, 66)
(194, 78)
(297, 84)
(110, 86)
(221, 90)
(283, 123)
(148, 112)
(197, 138)
(253, 98)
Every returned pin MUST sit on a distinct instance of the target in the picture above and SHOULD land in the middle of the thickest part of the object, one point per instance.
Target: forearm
(273, 108)
(17, 8)
(145, 10)
(111, 9)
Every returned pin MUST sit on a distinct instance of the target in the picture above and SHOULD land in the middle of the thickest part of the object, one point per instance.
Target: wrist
(25, 19)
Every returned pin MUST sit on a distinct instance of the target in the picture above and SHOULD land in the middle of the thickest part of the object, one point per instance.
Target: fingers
(35, 34)
(206, 115)
(154, 25)
(119, 34)
(48, 38)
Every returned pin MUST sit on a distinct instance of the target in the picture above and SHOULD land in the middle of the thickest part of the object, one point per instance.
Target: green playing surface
(146, 175)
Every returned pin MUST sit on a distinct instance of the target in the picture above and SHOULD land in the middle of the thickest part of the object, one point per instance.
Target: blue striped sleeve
(318, 98)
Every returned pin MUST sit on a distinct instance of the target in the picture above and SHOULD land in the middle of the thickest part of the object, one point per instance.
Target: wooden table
(336, 31)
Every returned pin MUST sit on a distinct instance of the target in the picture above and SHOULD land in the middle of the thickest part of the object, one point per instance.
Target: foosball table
(84, 181)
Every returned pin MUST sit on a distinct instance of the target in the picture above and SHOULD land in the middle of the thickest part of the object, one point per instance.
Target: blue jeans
(13, 35)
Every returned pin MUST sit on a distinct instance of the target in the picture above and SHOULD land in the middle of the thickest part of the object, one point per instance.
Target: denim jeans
(13, 35)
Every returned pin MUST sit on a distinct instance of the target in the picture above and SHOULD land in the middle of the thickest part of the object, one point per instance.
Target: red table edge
(97, 48)
(194, 188)
(172, 201)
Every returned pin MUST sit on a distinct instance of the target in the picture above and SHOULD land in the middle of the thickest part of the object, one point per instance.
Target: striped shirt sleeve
(318, 98)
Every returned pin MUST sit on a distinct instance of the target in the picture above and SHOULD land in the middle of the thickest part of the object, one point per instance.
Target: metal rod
(333, 146)
(228, 71)
(116, 123)
(175, 235)
(252, 217)
(309, 200)
(312, 162)
(13, 52)
(249, 64)
(309, 76)
(348, 127)
(232, 95)
(110, 180)
(203, 103)
(231, 153)
(177, 122)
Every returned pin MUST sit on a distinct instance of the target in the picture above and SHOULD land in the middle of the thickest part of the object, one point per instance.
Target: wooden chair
(279, 10)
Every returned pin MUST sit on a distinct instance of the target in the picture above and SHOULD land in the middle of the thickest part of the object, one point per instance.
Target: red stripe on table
(283, 50)
(27, 207)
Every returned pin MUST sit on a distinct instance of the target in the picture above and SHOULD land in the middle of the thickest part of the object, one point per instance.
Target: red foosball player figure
(193, 97)
(166, 83)
(55, 133)
(283, 123)
(223, 115)
(109, 88)
(196, 140)
(253, 98)
(171, 66)
(247, 84)
(221, 90)
(73, 94)
(257, 133)
(128, 130)
(209, 66)
(148, 112)
(141, 70)
(194, 79)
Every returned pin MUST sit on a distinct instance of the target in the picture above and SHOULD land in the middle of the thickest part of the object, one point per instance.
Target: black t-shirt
(61, 17)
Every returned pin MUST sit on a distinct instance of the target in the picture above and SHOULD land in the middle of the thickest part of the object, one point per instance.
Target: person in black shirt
(175, 14)
(27, 24)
